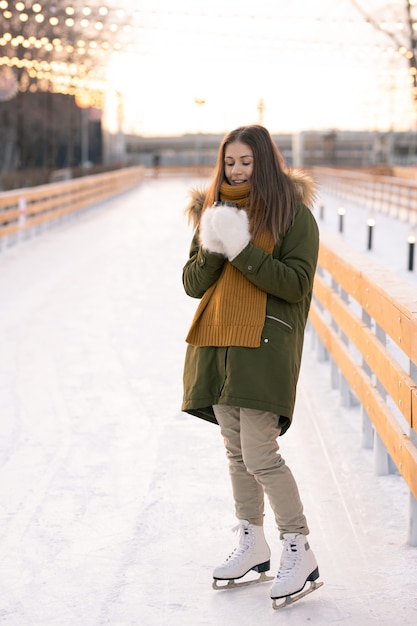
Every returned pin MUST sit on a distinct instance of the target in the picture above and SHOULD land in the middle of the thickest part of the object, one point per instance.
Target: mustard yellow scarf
(232, 311)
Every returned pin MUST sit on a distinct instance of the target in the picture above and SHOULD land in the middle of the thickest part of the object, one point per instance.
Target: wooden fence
(366, 322)
(23, 209)
(394, 195)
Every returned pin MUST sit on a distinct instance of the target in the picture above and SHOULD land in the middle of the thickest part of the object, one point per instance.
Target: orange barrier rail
(21, 209)
(366, 322)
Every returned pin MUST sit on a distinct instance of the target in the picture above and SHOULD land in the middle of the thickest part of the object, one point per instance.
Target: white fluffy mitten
(208, 237)
(232, 229)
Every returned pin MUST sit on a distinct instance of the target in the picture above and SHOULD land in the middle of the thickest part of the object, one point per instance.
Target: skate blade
(232, 584)
(297, 596)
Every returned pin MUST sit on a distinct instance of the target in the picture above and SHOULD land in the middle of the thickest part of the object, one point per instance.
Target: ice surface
(114, 505)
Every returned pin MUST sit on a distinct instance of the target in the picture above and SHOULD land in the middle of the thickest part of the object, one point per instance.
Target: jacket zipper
(271, 317)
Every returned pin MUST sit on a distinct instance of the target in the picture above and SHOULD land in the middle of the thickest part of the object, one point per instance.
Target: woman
(252, 263)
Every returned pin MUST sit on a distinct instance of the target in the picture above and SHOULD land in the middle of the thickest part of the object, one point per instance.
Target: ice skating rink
(114, 505)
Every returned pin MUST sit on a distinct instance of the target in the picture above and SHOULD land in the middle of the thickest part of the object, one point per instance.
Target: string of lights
(60, 47)
(398, 22)
(65, 46)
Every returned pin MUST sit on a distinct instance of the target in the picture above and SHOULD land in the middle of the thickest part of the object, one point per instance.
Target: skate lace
(243, 531)
(288, 559)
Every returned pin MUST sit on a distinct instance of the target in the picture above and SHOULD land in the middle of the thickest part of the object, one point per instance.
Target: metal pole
(371, 224)
(411, 244)
(341, 211)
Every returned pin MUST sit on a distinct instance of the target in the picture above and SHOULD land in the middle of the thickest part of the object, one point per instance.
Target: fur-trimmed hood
(304, 183)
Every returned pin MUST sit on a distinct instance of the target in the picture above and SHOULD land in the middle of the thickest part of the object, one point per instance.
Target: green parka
(262, 378)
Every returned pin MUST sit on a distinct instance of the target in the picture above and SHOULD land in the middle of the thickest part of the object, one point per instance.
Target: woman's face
(238, 163)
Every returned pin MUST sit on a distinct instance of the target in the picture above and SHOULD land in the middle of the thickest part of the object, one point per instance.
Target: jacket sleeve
(288, 273)
(202, 269)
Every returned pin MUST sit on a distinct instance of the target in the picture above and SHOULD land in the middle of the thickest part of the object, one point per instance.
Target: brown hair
(272, 197)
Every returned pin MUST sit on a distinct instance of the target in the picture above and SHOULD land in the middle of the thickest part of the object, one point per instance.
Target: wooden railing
(23, 209)
(394, 195)
(366, 322)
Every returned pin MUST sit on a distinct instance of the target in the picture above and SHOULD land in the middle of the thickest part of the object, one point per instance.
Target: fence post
(322, 353)
(348, 398)
(382, 460)
(367, 426)
(412, 520)
(334, 370)
(21, 220)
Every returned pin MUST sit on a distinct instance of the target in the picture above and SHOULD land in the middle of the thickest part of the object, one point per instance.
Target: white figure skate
(298, 566)
(252, 553)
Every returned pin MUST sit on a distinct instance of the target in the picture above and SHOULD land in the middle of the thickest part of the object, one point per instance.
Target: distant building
(333, 148)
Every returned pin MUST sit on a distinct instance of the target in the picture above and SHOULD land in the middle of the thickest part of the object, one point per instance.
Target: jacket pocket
(284, 325)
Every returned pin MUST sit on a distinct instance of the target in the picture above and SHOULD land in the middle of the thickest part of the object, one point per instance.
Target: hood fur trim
(195, 205)
(304, 184)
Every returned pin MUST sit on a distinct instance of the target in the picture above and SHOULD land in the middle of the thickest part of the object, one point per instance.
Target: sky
(315, 65)
(114, 505)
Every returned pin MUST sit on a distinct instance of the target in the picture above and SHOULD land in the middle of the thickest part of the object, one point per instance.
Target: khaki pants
(256, 467)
